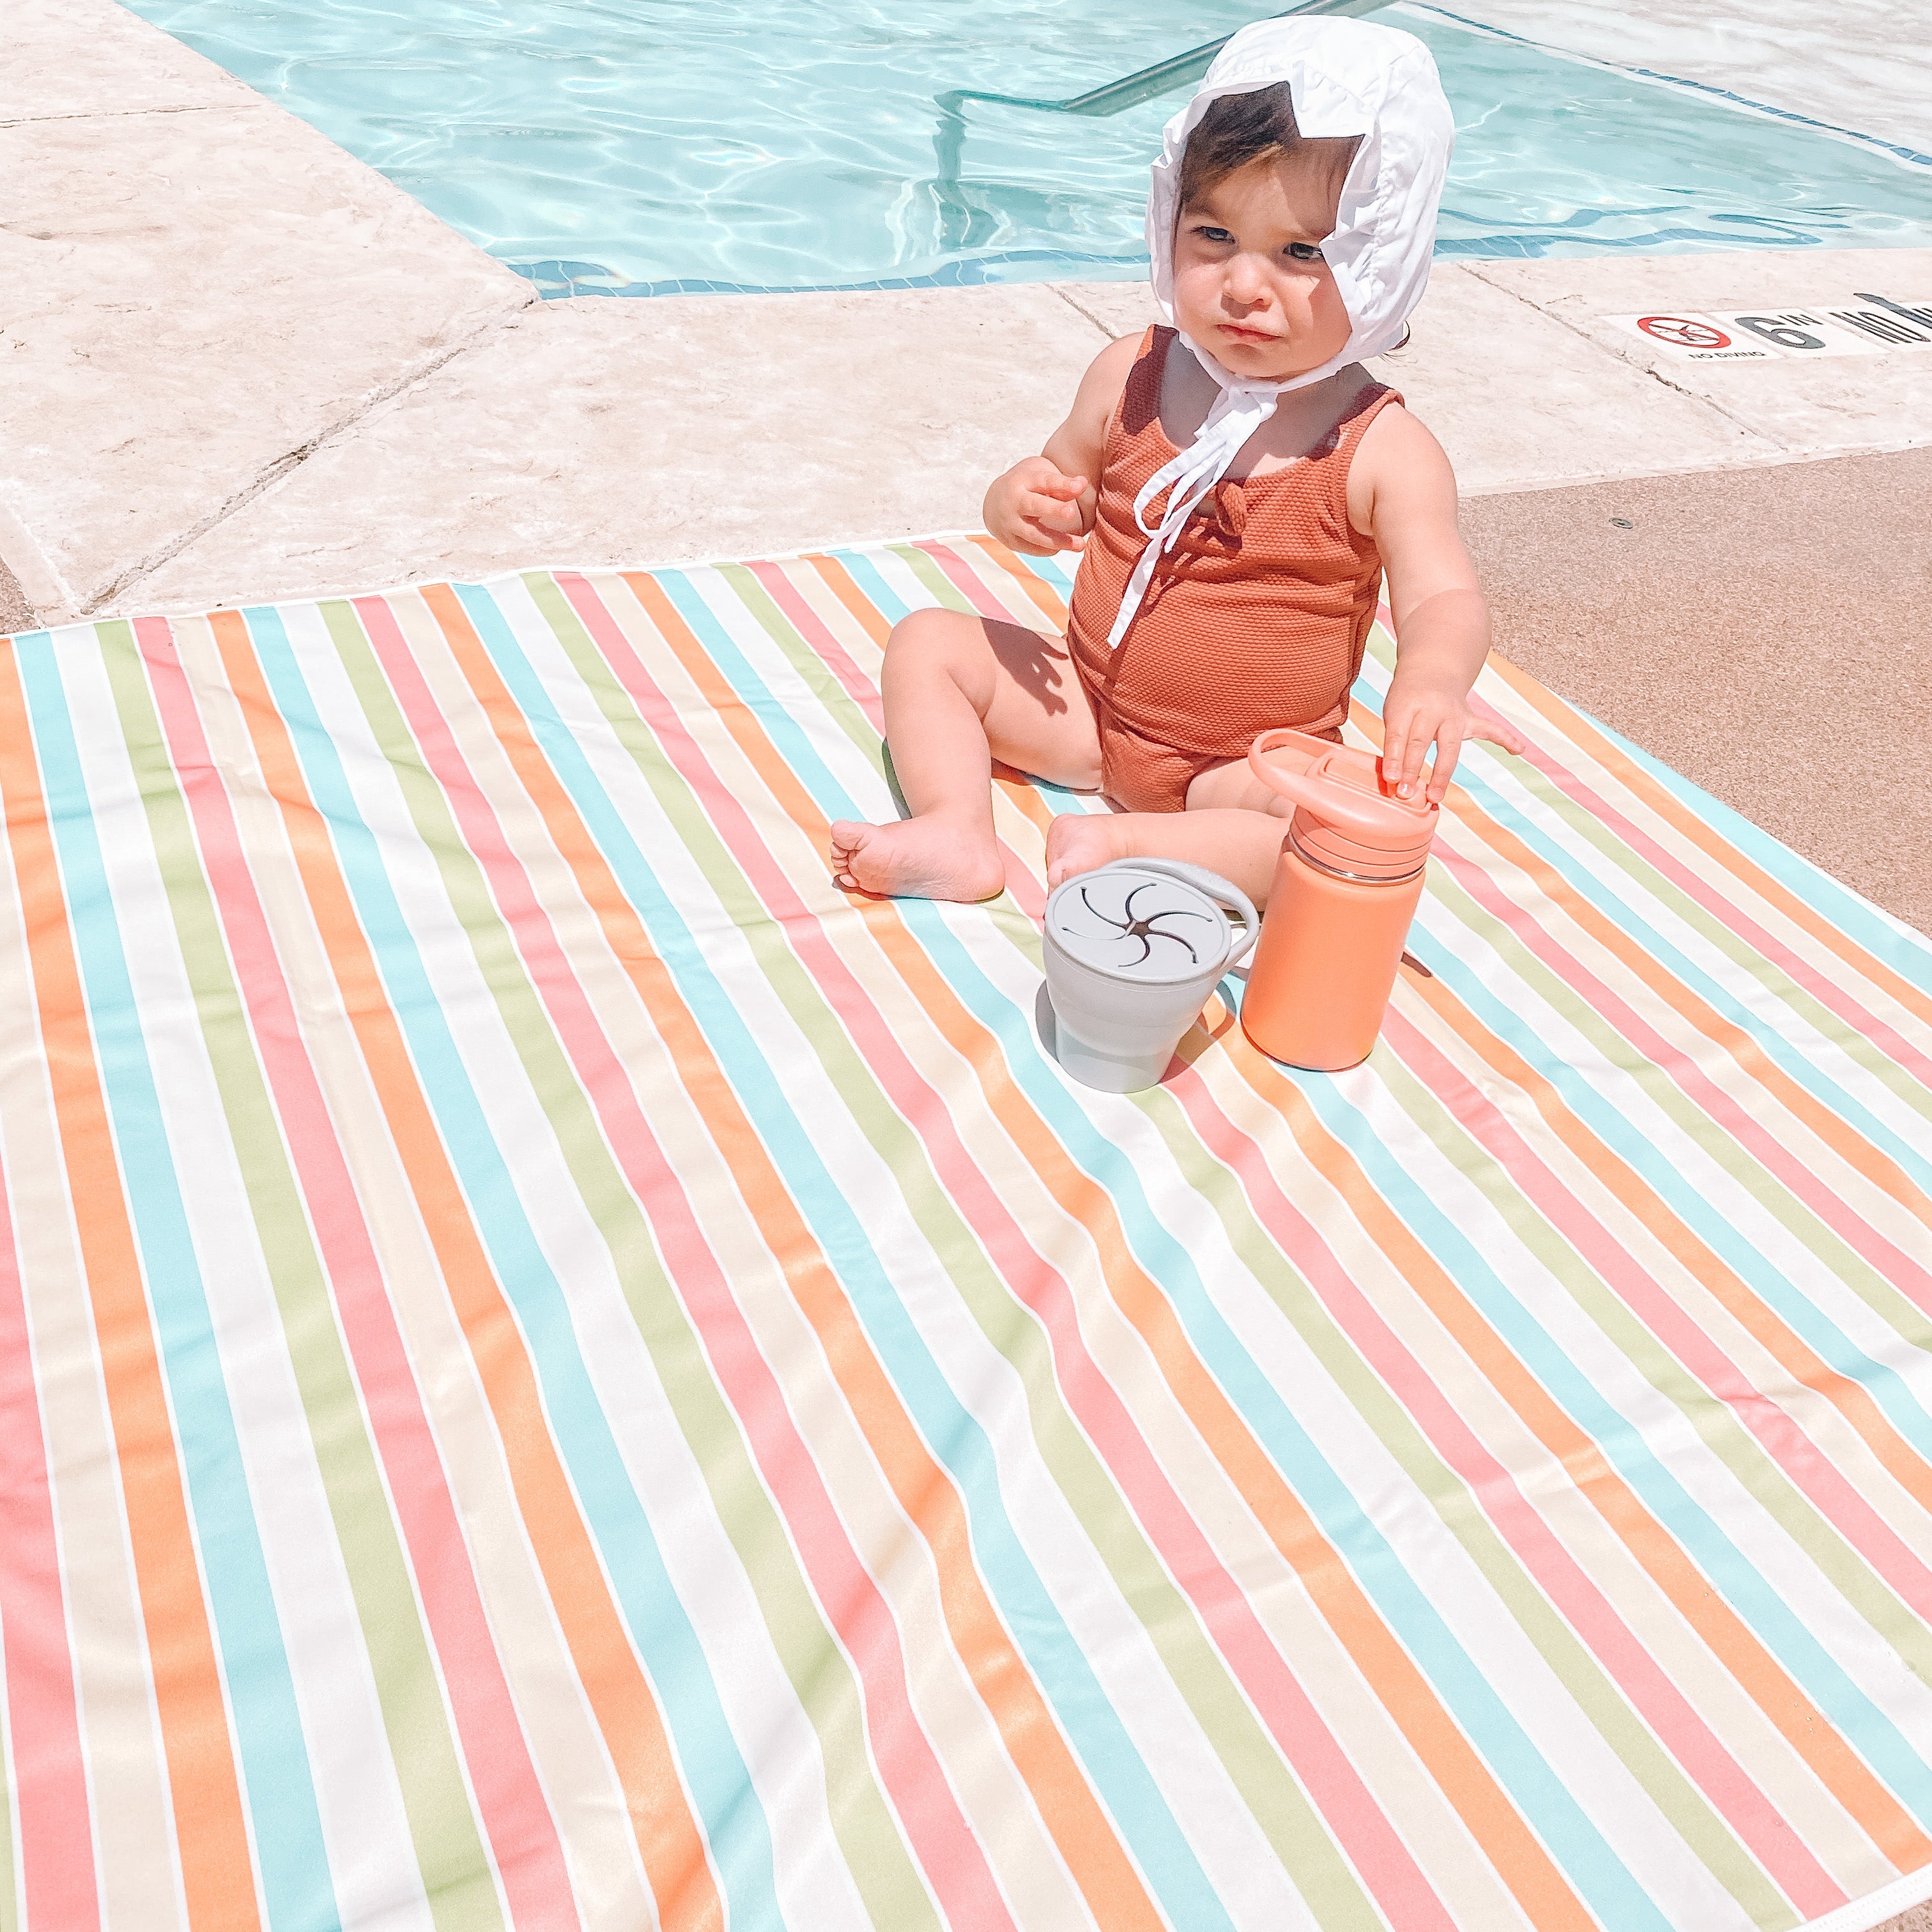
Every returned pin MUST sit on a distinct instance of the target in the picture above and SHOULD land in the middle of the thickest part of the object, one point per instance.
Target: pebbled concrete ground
(1762, 631)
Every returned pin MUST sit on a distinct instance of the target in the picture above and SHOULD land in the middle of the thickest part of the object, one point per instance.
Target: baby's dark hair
(1237, 130)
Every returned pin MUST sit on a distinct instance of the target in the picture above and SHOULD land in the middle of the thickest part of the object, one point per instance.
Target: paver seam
(1750, 429)
(1060, 290)
(285, 465)
(122, 113)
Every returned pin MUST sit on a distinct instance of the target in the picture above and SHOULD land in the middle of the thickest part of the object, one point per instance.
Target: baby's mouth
(1240, 335)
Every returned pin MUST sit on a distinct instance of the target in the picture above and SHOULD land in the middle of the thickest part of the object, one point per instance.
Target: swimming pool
(656, 146)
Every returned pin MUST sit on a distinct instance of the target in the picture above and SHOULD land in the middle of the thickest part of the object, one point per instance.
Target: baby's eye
(1303, 251)
(1207, 234)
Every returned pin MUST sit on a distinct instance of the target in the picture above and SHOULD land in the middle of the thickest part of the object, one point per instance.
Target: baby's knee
(923, 633)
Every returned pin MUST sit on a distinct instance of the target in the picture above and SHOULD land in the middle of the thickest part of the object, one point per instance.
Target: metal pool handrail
(957, 220)
(1133, 89)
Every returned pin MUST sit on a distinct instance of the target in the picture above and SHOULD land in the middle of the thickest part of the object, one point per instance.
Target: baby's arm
(1046, 503)
(1402, 492)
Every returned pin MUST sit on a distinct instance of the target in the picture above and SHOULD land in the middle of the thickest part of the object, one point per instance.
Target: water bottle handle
(1222, 892)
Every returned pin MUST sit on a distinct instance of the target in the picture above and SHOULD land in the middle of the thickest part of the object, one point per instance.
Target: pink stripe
(1827, 992)
(1705, 1759)
(49, 1772)
(807, 623)
(963, 580)
(863, 693)
(1678, 1725)
(522, 1835)
(950, 1854)
(1682, 1069)
(1800, 1460)
(1350, 1810)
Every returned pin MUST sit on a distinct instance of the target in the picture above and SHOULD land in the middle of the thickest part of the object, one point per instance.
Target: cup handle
(1223, 891)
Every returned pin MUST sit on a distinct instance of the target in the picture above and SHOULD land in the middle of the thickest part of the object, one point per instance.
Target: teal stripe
(728, 1802)
(1551, 1809)
(1908, 953)
(290, 1855)
(1598, 889)
(951, 1432)
(1755, 1598)
(1718, 1232)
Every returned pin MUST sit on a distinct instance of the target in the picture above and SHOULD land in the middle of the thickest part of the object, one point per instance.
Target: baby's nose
(1246, 281)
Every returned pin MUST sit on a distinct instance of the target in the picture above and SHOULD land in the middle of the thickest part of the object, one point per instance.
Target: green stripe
(821, 1676)
(1586, 827)
(817, 675)
(1835, 1257)
(1274, 1797)
(1714, 1421)
(1595, 1692)
(456, 1871)
(1596, 1695)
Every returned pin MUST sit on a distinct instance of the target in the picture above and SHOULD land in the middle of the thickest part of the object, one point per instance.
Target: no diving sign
(1868, 325)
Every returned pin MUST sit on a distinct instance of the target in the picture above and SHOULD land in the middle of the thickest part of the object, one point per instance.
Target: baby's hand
(1036, 508)
(1420, 711)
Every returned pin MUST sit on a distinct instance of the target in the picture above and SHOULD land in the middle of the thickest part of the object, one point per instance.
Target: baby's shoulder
(1105, 381)
(1395, 437)
(1111, 368)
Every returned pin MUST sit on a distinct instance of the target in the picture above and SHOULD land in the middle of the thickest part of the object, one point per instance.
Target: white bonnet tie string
(1346, 79)
(1239, 410)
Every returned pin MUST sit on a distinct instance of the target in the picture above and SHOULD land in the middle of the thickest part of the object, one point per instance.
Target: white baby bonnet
(1346, 77)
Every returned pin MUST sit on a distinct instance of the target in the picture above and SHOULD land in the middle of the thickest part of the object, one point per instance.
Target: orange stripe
(925, 1491)
(1744, 1052)
(1713, 844)
(627, 1713)
(1729, 1639)
(839, 578)
(1410, 1700)
(1041, 593)
(1792, 1353)
(1813, 1737)
(211, 1836)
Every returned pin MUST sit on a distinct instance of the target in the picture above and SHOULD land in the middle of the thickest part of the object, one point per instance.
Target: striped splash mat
(561, 1372)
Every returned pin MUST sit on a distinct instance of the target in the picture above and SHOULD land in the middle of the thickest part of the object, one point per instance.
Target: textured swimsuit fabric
(1257, 618)
(558, 1371)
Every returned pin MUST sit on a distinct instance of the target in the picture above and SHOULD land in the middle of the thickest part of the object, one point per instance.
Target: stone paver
(1865, 68)
(598, 431)
(192, 305)
(90, 58)
(1807, 408)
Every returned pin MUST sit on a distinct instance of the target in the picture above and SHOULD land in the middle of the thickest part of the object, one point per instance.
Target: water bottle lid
(1346, 820)
(1139, 925)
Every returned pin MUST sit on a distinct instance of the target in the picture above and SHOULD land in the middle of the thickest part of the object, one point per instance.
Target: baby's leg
(1233, 825)
(961, 690)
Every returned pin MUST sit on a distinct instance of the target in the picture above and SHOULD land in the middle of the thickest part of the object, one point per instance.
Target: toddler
(1237, 484)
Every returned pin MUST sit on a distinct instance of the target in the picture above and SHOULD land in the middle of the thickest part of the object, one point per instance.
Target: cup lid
(1145, 926)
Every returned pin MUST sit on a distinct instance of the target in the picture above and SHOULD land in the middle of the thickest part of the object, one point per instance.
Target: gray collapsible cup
(1132, 951)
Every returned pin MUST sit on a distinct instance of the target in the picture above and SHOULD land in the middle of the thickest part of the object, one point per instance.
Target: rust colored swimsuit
(1257, 618)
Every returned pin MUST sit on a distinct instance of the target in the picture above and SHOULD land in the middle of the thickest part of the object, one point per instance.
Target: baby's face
(1250, 283)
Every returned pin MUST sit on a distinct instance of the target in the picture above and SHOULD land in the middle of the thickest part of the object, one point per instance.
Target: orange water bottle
(1345, 888)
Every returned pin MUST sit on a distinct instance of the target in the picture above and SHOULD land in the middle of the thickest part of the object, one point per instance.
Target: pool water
(648, 146)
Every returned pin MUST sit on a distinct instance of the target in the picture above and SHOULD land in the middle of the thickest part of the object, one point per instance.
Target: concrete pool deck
(240, 365)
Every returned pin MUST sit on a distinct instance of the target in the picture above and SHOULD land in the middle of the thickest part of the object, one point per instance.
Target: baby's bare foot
(916, 858)
(1078, 842)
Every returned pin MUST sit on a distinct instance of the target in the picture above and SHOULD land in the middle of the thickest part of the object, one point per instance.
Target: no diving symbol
(1684, 333)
